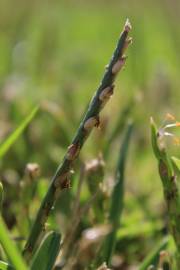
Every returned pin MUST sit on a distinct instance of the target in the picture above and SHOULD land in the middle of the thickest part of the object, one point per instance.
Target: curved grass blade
(117, 198)
(1, 196)
(153, 257)
(168, 168)
(176, 163)
(5, 266)
(47, 253)
(4, 147)
(10, 249)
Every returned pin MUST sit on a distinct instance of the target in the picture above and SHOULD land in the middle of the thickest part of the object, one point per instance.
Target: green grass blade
(5, 266)
(153, 257)
(4, 147)
(47, 253)
(117, 198)
(154, 142)
(176, 163)
(168, 168)
(10, 249)
(1, 196)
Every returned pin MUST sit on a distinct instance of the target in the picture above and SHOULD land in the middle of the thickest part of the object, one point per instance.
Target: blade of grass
(153, 257)
(117, 198)
(1, 196)
(45, 257)
(176, 163)
(168, 174)
(91, 119)
(4, 147)
(10, 249)
(5, 266)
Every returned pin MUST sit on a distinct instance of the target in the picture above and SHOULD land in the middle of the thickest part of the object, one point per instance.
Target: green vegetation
(168, 170)
(105, 207)
(10, 249)
(47, 253)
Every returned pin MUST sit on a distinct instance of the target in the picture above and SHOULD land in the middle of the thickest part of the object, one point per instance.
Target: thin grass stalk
(45, 257)
(10, 248)
(61, 178)
(117, 201)
(69, 246)
(5, 146)
(153, 256)
(70, 235)
(1, 196)
(5, 266)
(168, 175)
(76, 215)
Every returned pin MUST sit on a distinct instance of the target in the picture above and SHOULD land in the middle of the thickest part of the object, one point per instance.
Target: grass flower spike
(91, 119)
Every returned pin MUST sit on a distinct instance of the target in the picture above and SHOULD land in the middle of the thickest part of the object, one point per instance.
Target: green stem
(5, 146)
(167, 172)
(5, 266)
(172, 198)
(153, 257)
(10, 249)
(61, 178)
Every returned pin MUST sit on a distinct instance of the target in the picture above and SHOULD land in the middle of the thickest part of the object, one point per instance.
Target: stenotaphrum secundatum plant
(169, 170)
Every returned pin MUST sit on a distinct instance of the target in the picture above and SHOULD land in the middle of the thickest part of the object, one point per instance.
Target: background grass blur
(54, 53)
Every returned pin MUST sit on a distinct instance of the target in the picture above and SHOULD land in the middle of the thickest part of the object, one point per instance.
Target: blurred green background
(53, 53)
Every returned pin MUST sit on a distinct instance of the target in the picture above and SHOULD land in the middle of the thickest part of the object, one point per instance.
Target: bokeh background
(53, 53)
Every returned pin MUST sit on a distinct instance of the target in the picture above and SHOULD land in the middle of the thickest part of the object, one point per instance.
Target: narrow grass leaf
(4, 147)
(153, 257)
(176, 163)
(117, 198)
(10, 249)
(5, 266)
(168, 168)
(1, 196)
(154, 143)
(47, 253)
